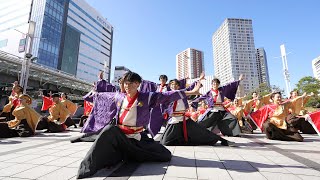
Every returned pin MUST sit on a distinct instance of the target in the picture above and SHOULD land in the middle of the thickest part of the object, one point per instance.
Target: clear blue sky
(149, 33)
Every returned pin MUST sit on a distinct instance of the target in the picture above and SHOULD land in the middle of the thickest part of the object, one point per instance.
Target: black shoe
(76, 139)
(225, 142)
(75, 126)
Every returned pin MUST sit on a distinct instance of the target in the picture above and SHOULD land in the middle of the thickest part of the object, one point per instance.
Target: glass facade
(48, 53)
(70, 51)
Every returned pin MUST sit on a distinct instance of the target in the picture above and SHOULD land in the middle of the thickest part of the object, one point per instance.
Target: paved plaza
(52, 156)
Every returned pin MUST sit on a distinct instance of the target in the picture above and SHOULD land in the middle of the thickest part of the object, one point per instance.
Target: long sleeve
(157, 98)
(148, 86)
(89, 96)
(260, 116)
(72, 107)
(47, 102)
(230, 90)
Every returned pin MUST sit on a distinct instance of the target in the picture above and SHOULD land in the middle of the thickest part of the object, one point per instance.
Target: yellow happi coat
(72, 107)
(25, 112)
(58, 111)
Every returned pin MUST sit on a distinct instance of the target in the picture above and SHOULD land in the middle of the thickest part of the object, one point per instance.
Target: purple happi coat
(103, 86)
(107, 106)
(228, 90)
(157, 112)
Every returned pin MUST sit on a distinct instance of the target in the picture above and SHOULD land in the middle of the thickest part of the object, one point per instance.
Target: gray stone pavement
(52, 156)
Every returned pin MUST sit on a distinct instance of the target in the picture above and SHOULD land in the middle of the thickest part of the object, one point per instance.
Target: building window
(3, 43)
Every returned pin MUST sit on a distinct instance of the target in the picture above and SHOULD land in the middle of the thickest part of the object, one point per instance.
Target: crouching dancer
(25, 122)
(125, 140)
(182, 130)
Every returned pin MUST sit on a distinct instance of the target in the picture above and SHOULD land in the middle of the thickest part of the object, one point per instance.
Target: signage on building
(22, 45)
(106, 25)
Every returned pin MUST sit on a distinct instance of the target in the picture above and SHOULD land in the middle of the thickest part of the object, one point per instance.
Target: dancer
(25, 122)
(126, 140)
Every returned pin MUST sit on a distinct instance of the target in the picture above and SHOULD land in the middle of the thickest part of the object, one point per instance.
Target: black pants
(226, 122)
(22, 130)
(52, 127)
(275, 133)
(301, 124)
(69, 122)
(197, 135)
(113, 146)
(83, 119)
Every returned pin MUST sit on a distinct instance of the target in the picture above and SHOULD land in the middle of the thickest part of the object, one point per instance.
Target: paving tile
(6, 164)
(308, 177)
(208, 169)
(302, 170)
(238, 165)
(205, 149)
(24, 158)
(75, 164)
(36, 172)
(181, 161)
(13, 178)
(9, 171)
(261, 163)
(63, 153)
(284, 161)
(63, 161)
(245, 175)
(279, 176)
(174, 178)
(186, 154)
(184, 148)
(213, 174)
(209, 163)
(78, 154)
(61, 174)
(151, 169)
(184, 172)
(10, 156)
(146, 177)
(43, 159)
(234, 157)
(205, 155)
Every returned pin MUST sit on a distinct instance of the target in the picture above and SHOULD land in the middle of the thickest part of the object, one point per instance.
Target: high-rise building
(119, 71)
(189, 63)
(234, 54)
(316, 67)
(206, 83)
(262, 64)
(70, 35)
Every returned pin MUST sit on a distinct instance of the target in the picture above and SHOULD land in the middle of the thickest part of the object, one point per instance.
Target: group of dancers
(122, 122)
(19, 119)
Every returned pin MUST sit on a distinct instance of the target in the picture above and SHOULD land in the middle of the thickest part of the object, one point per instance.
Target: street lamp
(27, 57)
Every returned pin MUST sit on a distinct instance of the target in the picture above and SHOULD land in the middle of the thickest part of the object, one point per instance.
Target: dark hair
(274, 93)
(65, 95)
(163, 77)
(19, 87)
(215, 80)
(294, 91)
(55, 95)
(132, 77)
(176, 81)
(254, 92)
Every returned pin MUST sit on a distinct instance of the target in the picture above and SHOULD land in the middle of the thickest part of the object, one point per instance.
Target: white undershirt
(131, 117)
(164, 88)
(218, 101)
(180, 107)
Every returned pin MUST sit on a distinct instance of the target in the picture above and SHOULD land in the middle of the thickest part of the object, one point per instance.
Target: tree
(310, 84)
